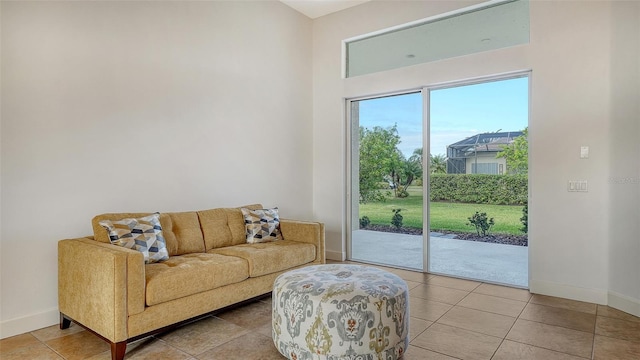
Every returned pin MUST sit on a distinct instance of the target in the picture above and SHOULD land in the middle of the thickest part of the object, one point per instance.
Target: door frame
(427, 126)
(426, 133)
(351, 195)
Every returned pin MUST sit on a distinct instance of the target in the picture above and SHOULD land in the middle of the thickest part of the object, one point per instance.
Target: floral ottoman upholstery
(340, 312)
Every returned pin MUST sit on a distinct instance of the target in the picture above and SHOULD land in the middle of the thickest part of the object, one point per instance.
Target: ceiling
(317, 8)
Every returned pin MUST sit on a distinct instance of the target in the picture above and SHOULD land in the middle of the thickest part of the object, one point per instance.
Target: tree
(416, 159)
(517, 154)
(437, 164)
(403, 172)
(417, 156)
(378, 152)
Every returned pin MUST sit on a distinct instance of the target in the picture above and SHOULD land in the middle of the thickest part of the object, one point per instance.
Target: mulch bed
(519, 240)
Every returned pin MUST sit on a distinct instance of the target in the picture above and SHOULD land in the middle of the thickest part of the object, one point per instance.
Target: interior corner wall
(142, 106)
(569, 56)
(624, 252)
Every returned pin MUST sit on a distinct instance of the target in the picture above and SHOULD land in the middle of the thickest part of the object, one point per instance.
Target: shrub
(396, 220)
(364, 222)
(402, 193)
(482, 224)
(525, 218)
(479, 188)
(383, 185)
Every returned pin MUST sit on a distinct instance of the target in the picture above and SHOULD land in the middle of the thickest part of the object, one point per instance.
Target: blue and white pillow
(143, 234)
(262, 225)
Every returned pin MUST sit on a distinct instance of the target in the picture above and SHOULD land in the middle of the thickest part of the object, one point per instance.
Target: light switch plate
(577, 186)
(584, 152)
(583, 185)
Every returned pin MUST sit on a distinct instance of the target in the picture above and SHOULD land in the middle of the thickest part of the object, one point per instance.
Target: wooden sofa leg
(118, 349)
(64, 322)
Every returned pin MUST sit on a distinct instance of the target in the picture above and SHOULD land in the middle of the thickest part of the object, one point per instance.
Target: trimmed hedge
(479, 188)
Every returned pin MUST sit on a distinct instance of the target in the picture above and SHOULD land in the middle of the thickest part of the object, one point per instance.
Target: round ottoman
(340, 312)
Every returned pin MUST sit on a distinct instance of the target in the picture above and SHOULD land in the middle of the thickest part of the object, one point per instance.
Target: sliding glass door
(478, 180)
(444, 192)
(386, 169)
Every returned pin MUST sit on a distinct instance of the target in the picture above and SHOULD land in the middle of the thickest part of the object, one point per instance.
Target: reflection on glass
(489, 28)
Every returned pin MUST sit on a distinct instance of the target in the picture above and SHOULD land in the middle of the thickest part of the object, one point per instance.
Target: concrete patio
(495, 263)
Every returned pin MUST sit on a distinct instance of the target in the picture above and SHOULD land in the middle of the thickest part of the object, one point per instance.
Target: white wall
(143, 106)
(571, 102)
(329, 129)
(624, 232)
(484, 158)
(569, 108)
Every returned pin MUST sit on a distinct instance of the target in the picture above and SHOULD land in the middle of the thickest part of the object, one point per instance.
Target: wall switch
(582, 185)
(577, 186)
(584, 152)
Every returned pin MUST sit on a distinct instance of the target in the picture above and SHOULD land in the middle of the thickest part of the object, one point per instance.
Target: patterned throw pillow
(143, 234)
(262, 225)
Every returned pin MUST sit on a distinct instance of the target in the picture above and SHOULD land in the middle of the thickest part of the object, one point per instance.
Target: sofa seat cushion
(271, 257)
(190, 274)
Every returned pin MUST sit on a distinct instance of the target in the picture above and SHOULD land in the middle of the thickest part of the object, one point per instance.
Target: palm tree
(417, 156)
(403, 172)
(416, 163)
(437, 164)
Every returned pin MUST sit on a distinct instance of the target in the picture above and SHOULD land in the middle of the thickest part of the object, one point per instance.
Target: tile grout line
(560, 326)
(437, 352)
(510, 328)
(451, 287)
(488, 312)
(541, 347)
(456, 304)
(175, 348)
(50, 348)
(505, 335)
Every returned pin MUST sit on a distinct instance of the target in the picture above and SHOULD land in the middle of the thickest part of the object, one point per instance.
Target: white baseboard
(624, 303)
(29, 323)
(569, 292)
(335, 255)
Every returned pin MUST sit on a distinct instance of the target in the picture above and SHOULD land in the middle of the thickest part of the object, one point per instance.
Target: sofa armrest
(100, 285)
(307, 232)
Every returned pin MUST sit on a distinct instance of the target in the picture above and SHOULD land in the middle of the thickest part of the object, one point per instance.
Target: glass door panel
(478, 180)
(386, 166)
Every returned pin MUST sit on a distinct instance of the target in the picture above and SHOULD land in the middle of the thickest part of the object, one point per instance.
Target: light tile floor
(450, 319)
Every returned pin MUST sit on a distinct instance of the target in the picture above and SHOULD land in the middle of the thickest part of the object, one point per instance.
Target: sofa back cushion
(181, 230)
(224, 226)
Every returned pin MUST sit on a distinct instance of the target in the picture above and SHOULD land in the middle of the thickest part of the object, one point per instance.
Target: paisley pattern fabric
(340, 312)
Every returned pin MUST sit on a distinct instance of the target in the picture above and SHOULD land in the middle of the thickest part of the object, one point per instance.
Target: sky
(456, 113)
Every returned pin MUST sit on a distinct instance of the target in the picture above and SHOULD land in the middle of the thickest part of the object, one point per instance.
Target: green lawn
(444, 215)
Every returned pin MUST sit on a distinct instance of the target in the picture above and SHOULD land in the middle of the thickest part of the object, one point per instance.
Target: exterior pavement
(488, 262)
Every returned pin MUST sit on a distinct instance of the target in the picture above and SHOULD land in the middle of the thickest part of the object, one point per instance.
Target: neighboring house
(478, 154)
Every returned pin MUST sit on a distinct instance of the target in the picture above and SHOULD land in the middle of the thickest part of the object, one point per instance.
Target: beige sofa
(110, 290)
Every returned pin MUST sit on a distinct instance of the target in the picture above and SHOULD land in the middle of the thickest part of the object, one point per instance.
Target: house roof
(485, 142)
